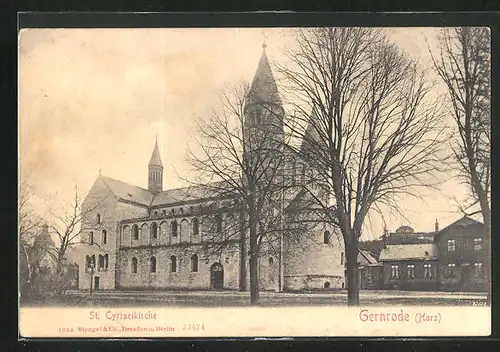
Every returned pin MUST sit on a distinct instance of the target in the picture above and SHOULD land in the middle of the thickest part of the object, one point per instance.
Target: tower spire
(155, 170)
(264, 45)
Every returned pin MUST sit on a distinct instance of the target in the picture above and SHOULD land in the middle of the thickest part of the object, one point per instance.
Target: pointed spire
(311, 136)
(155, 157)
(264, 88)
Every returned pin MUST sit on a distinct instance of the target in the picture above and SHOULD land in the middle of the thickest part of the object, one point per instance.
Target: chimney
(385, 236)
(436, 225)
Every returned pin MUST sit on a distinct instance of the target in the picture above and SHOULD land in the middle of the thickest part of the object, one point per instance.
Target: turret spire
(155, 170)
(155, 157)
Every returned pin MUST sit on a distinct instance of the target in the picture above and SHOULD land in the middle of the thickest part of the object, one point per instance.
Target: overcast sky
(93, 99)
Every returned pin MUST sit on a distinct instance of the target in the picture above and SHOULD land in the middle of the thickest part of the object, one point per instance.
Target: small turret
(155, 171)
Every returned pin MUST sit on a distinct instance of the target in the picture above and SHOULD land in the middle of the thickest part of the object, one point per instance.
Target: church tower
(264, 113)
(155, 171)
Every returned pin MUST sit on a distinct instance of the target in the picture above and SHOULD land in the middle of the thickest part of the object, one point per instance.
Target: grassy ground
(267, 299)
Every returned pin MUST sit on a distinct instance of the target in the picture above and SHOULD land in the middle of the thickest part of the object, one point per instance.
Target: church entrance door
(217, 276)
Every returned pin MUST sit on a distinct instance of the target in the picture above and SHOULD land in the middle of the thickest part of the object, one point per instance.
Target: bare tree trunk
(243, 253)
(352, 273)
(254, 274)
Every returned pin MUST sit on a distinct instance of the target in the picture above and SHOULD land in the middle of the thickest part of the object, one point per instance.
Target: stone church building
(138, 238)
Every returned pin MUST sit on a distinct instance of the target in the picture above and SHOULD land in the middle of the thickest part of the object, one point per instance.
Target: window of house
(98, 218)
(173, 264)
(451, 269)
(478, 269)
(194, 263)
(196, 227)
(134, 265)
(154, 230)
(152, 264)
(106, 262)
(370, 276)
(271, 260)
(394, 272)
(327, 284)
(478, 244)
(92, 261)
(326, 237)
(173, 228)
(410, 271)
(87, 262)
(104, 237)
(342, 258)
(135, 232)
(156, 213)
(427, 271)
(91, 238)
(451, 245)
(164, 212)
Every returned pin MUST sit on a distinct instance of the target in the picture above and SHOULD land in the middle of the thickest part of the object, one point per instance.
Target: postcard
(254, 182)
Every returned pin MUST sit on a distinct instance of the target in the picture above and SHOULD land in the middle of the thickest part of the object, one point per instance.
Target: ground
(269, 299)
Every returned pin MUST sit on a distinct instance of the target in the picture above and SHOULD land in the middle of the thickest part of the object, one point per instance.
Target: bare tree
(373, 131)
(67, 225)
(29, 226)
(463, 63)
(240, 163)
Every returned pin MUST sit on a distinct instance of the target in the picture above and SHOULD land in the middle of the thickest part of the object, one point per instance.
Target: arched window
(327, 284)
(271, 260)
(92, 261)
(106, 262)
(152, 264)
(342, 258)
(326, 237)
(156, 213)
(144, 231)
(173, 228)
(87, 262)
(101, 263)
(173, 264)
(98, 218)
(154, 230)
(134, 265)
(135, 232)
(164, 212)
(218, 223)
(91, 238)
(184, 230)
(196, 227)
(104, 237)
(194, 263)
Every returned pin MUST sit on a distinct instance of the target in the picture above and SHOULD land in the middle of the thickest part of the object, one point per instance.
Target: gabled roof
(264, 88)
(424, 251)
(365, 258)
(462, 222)
(128, 192)
(184, 194)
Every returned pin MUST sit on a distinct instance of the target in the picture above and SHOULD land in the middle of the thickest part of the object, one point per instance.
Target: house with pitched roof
(450, 259)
